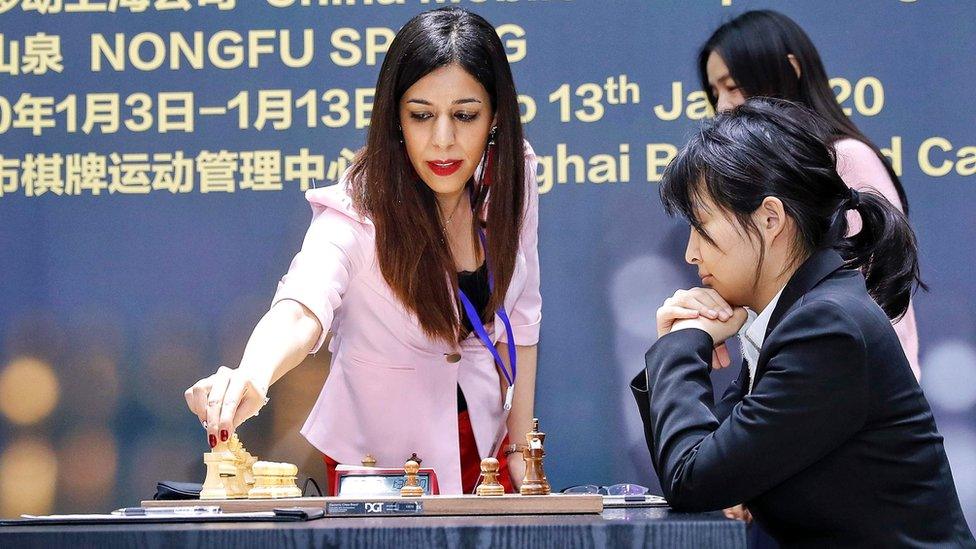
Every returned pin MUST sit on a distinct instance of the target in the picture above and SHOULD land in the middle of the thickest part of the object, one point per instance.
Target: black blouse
(474, 284)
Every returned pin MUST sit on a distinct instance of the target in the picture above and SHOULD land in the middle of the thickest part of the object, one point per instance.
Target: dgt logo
(374, 507)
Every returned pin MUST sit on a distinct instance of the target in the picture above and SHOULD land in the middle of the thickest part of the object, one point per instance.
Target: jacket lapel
(816, 268)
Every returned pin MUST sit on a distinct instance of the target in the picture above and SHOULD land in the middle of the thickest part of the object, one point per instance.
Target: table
(634, 527)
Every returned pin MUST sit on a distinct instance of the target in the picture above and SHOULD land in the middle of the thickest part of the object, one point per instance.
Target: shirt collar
(754, 330)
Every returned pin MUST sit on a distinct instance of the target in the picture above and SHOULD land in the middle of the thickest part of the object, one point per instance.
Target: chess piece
(411, 487)
(213, 487)
(489, 485)
(235, 484)
(222, 479)
(244, 461)
(274, 480)
(369, 461)
(535, 482)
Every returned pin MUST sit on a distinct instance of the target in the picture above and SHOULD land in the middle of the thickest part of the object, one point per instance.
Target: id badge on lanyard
(479, 329)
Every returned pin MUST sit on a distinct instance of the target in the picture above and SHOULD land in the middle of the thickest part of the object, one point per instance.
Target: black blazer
(836, 444)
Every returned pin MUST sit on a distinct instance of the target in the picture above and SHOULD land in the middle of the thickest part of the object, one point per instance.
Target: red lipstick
(444, 168)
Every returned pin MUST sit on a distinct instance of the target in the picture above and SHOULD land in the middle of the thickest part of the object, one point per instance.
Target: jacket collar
(817, 267)
(337, 198)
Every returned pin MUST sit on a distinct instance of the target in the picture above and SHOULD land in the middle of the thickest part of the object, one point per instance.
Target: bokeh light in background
(28, 477)
(162, 455)
(637, 289)
(92, 388)
(91, 368)
(181, 349)
(960, 445)
(65, 401)
(29, 391)
(949, 375)
(89, 465)
(949, 382)
(174, 355)
(37, 334)
(163, 440)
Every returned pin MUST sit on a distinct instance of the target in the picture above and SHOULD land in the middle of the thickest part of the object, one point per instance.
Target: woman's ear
(772, 218)
(795, 63)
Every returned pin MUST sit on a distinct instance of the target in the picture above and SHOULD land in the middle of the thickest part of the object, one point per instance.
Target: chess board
(455, 505)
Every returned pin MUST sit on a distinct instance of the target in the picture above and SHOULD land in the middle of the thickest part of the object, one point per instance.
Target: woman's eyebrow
(455, 102)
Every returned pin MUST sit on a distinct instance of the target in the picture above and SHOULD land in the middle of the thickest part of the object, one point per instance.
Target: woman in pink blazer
(765, 53)
(423, 265)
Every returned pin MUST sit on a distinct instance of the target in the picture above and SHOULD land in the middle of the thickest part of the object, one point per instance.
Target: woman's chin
(445, 185)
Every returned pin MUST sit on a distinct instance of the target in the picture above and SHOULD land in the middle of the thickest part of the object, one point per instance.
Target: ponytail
(884, 250)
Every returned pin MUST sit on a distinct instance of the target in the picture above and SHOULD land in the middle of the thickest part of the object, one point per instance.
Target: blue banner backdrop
(152, 159)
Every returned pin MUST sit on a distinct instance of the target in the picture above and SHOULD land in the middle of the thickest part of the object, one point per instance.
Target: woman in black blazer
(827, 437)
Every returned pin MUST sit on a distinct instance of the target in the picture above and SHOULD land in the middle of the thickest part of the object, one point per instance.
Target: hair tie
(853, 200)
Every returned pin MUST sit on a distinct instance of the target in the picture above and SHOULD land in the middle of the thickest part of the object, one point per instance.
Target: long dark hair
(774, 148)
(412, 255)
(755, 46)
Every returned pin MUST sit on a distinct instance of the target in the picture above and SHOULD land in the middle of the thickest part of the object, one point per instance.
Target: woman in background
(765, 53)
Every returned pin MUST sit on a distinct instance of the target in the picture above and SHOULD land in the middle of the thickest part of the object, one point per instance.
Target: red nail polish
(213, 441)
(223, 435)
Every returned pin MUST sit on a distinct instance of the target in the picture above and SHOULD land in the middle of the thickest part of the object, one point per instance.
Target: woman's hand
(224, 400)
(700, 304)
(720, 331)
(739, 512)
(280, 341)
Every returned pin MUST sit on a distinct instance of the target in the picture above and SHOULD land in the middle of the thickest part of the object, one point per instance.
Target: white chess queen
(423, 264)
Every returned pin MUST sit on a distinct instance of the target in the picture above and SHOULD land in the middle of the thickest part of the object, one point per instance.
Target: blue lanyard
(479, 329)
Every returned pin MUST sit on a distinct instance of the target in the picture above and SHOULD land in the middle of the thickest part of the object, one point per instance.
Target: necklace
(451, 217)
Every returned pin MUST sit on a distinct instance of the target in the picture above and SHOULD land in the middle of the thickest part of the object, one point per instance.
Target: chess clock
(354, 481)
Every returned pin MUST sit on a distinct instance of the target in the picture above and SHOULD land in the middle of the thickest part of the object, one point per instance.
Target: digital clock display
(357, 484)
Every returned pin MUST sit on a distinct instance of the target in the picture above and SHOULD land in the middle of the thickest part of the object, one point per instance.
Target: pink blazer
(391, 390)
(861, 168)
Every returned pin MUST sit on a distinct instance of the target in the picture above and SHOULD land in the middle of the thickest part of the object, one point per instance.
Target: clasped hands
(705, 309)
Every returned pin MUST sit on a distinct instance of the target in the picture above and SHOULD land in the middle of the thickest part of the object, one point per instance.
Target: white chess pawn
(489, 485)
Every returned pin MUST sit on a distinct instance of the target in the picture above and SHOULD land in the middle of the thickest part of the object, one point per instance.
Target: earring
(400, 132)
(488, 174)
